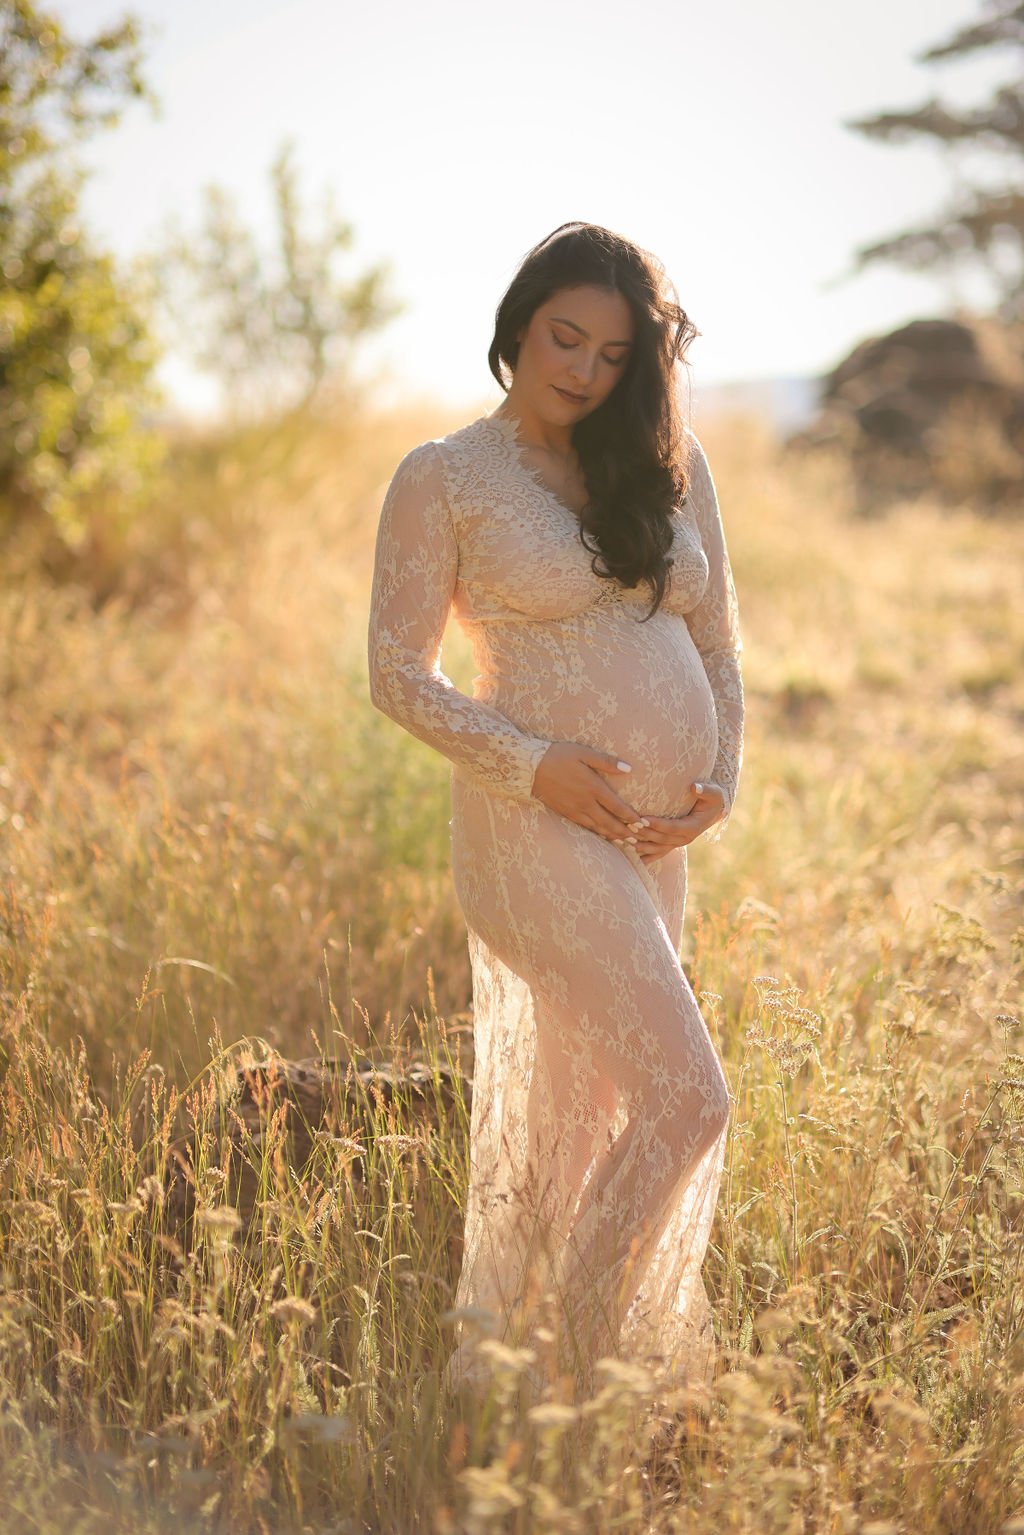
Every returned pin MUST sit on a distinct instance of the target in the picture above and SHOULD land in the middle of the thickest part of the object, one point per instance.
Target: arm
(714, 625)
(415, 567)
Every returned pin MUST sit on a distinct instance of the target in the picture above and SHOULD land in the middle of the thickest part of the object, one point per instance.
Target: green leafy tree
(76, 346)
(273, 327)
(981, 224)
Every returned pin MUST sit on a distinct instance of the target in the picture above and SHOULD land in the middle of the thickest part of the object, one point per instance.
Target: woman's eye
(567, 346)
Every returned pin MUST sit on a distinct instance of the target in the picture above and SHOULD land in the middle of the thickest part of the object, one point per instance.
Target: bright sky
(455, 135)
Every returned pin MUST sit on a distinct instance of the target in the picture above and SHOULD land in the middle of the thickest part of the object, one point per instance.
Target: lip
(574, 399)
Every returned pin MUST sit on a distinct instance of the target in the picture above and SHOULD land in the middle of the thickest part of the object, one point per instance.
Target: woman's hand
(569, 778)
(667, 832)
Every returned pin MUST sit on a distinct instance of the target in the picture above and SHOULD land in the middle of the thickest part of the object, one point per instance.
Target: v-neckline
(509, 427)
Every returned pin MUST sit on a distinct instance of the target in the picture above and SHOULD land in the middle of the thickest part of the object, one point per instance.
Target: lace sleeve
(415, 566)
(714, 625)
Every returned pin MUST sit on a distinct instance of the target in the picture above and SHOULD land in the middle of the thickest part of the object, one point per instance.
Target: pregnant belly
(636, 690)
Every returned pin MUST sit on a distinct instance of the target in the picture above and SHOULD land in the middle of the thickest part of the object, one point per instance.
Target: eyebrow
(582, 332)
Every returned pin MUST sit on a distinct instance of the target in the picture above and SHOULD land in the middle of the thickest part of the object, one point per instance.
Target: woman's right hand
(569, 778)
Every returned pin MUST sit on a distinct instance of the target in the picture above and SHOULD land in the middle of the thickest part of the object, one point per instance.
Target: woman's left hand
(667, 832)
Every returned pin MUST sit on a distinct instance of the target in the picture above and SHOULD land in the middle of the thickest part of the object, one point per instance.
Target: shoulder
(463, 462)
(439, 456)
(697, 459)
(418, 464)
(701, 491)
(419, 478)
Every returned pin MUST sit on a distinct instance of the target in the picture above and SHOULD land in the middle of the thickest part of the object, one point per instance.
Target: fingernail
(624, 766)
(698, 788)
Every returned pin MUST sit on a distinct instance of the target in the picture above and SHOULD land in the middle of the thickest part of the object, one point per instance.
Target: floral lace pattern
(600, 1108)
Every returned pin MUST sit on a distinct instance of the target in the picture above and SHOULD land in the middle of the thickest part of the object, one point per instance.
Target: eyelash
(567, 346)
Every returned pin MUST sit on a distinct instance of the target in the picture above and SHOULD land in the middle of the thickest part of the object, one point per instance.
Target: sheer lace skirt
(599, 1109)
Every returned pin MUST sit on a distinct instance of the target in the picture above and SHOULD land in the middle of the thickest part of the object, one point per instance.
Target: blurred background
(807, 180)
(758, 162)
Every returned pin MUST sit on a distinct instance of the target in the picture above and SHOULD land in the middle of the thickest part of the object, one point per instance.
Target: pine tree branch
(1006, 26)
(998, 125)
(972, 226)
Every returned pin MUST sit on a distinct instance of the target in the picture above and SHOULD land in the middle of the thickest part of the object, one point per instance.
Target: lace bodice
(467, 525)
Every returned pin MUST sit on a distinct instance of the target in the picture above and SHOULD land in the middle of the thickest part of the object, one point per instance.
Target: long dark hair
(631, 447)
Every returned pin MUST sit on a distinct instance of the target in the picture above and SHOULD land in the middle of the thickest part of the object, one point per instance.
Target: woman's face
(576, 344)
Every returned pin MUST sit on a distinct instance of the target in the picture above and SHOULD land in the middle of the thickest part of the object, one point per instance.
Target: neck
(553, 437)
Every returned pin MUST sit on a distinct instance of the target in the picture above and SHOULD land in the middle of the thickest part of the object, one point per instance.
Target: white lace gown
(599, 1106)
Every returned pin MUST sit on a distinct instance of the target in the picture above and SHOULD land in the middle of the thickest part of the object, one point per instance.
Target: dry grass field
(212, 845)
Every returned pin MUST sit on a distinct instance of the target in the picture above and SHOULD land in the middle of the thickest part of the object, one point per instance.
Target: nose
(582, 371)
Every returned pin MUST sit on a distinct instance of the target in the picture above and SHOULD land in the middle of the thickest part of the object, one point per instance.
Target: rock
(936, 406)
(291, 1104)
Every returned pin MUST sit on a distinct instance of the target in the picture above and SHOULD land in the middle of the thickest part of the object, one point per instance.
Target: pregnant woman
(576, 533)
